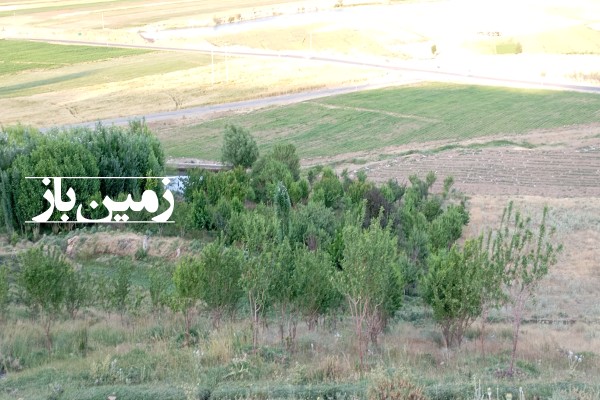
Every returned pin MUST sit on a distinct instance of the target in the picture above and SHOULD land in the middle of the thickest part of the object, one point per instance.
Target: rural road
(424, 73)
(201, 111)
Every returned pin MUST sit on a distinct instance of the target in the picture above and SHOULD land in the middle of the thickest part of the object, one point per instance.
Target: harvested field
(502, 171)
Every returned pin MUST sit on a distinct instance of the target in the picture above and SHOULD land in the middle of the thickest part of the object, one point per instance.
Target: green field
(375, 119)
(19, 56)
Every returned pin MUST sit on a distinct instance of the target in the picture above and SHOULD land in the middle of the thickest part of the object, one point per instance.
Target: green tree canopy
(239, 147)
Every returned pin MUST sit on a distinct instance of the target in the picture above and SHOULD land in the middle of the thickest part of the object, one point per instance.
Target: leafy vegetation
(103, 152)
(340, 254)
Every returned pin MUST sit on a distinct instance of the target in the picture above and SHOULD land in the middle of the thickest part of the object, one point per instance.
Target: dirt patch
(126, 244)
(570, 289)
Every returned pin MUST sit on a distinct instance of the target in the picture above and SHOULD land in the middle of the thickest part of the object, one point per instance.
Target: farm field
(27, 56)
(378, 119)
(49, 84)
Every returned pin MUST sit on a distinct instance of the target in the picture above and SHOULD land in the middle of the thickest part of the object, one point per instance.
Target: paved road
(424, 73)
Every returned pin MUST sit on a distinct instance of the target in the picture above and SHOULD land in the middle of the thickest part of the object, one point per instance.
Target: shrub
(393, 386)
(239, 147)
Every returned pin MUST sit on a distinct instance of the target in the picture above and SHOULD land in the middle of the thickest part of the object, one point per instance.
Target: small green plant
(141, 254)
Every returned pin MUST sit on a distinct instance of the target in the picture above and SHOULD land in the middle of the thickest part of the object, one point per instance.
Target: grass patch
(103, 72)
(21, 56)
(375, 119)
(509, 47)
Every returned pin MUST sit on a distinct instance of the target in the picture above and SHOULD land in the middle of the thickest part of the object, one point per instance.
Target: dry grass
(571, 287)
(158, 82)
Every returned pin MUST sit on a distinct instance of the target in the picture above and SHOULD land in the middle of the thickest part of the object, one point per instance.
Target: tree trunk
(216, 316)
(255, 309)
(484, 316)
(47, 325)
(282, 323)
(517, 315)
(188, 323)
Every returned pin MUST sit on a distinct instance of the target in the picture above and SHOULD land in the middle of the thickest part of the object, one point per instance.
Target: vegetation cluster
(279, 245)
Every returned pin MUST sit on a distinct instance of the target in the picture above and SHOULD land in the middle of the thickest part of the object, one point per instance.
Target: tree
(256, 281)
(121, 287)
(266, 174)
(283, 290)
(313, 279)
(282, 207)
(328, 189)
(313, 225)
(524, 252)
(78, 294)
(43, 279)
(453, 288)
(186, 279)
(239, 147)
(369, 266)
(219, 279)
(158, 286)
(52, 157)
(286, 153)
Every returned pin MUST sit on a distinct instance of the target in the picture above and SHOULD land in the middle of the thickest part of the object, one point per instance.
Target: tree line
(99, 152)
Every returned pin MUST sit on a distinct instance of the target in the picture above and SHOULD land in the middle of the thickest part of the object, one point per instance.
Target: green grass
(374, 119)
(100, 72)
(19, 56)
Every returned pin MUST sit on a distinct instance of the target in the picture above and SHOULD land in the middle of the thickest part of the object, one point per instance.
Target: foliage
(446, 227)
(79, 292)
(286, 154)
(370, 278)
(312, 224)
(328, 189)
(220, 270)
(104, 151)
(4, 290)
(376, 203)
(43, 280)
(120, 287)
(453, 287)
(53, 157)
(187, 282)
(282, 208)
(159, 283)
(524, 252)
(123, 151)
(313, 277)
(266, 174)
(239, 147)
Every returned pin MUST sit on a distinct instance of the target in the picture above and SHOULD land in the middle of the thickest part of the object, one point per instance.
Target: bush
(393, 386)
(239, 147)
